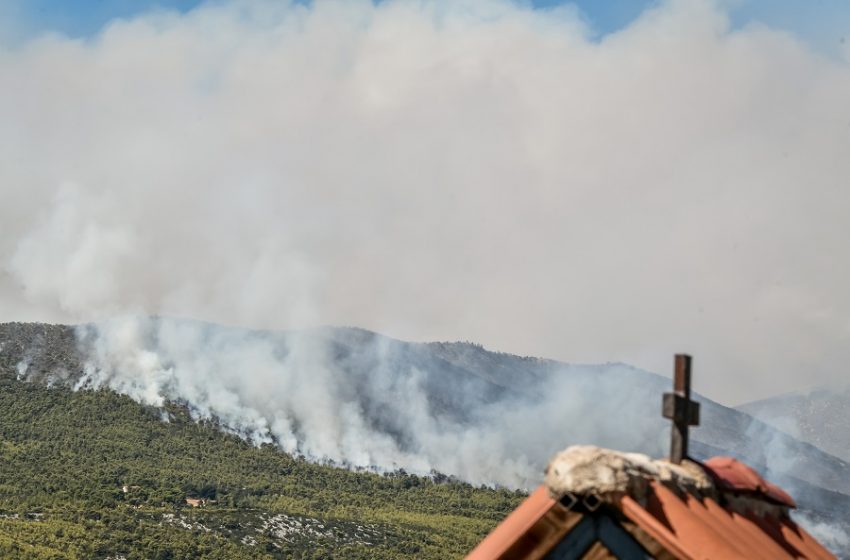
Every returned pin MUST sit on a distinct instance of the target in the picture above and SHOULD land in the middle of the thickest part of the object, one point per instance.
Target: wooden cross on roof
(678, 407)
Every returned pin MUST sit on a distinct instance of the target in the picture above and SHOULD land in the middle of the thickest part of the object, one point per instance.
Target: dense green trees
(66, 456)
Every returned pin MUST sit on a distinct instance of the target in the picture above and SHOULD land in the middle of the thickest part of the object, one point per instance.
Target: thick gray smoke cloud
(472, 170)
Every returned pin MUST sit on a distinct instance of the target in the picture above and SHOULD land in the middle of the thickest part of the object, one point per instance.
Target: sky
(823, 23)
(591, 182)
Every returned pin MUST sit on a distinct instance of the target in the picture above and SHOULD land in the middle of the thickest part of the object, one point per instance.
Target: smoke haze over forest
(475, 170)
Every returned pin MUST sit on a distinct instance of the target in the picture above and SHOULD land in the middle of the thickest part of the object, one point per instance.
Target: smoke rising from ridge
(360, 399)
(363, 400)
(470, 170)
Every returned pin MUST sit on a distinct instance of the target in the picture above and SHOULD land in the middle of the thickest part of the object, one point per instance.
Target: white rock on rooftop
(587, 469)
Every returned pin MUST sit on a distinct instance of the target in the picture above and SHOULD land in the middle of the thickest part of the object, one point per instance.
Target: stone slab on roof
(609, 474)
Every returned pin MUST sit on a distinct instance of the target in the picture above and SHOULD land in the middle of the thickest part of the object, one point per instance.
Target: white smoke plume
(362, 400)
(368, 403)
(468, 170)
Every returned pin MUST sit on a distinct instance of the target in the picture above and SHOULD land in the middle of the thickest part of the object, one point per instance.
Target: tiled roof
(701, 528)
(516, 526)
(734, 476)
(667, 521)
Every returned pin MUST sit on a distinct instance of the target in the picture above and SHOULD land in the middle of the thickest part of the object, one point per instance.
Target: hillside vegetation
(66, 456)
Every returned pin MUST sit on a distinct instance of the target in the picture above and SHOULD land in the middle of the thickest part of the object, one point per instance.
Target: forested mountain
(250, 419)
(66, 458)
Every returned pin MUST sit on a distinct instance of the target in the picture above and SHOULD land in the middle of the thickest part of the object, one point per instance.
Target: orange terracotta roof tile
(699, 539)
(751, 544)
(779, 495)
(746, 532)
(731, 474)
(804, 541)
(687, 525)
(655, 528)
(521, 520)
(771, 527)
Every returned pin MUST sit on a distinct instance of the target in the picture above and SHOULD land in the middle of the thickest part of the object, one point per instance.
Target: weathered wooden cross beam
(678, 407)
